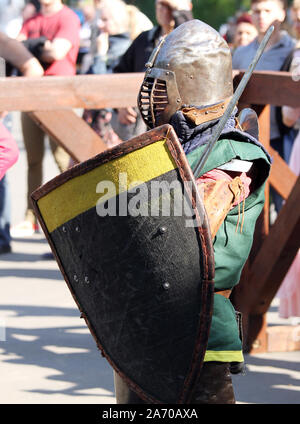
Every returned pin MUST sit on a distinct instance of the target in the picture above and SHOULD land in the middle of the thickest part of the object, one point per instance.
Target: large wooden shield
(140, 269)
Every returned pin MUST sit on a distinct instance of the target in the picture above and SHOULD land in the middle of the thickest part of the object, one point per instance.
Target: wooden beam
(80, 91)
(261, 89)
(275, 338)
(255, 332)
(254, 327)
(262, 226)
(121, 90)
(283, 338)
(275, 256)
(71, 132)
(282, 178)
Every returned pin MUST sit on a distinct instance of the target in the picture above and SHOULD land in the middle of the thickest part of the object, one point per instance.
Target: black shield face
(131, 237)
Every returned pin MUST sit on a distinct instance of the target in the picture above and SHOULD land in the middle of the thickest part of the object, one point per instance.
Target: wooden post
(71, 132)
(281, 176)
(276, 255)
(254, 326)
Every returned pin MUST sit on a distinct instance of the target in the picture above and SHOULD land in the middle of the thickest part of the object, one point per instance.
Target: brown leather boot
(124, 395)
(214, 385)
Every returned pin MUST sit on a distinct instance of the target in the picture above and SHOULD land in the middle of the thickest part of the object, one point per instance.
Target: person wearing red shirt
(18, 56)
(60, 26)
(57, 26)
(9, 154)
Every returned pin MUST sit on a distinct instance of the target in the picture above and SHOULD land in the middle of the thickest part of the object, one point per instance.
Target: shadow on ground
(269, 380)
(48, 347)
(44, 274)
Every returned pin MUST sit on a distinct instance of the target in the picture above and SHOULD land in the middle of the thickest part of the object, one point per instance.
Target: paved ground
(47, 355)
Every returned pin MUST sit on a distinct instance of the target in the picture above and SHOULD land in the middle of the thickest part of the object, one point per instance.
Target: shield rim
(165, 132)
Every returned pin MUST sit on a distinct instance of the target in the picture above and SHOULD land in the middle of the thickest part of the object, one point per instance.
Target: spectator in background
(291, 116)
(289, 291)
(14, 52)
(56, 29)
(113, 38)
(14, 26)
(245, 31)
(112, 41)
(10, 10)
(138, 22)
(227, 31)
(84, 56)
(264, 14)
(127, 122)
(8, 156)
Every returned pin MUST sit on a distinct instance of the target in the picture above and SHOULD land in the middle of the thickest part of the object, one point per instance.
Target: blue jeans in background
(288, 142)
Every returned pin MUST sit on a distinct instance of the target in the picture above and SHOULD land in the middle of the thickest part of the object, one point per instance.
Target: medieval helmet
(192, 66)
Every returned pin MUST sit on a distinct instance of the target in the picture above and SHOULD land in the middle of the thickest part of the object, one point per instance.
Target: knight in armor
(154, 291)
(188, 84)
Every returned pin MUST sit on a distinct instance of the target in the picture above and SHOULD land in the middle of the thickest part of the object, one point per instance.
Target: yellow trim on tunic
(224, 356)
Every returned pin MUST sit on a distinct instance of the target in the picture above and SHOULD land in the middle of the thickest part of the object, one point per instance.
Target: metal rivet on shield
(64, 229)
(86, 280)
(166, 286)
(163, 230)
(75, 278)
(77, 229)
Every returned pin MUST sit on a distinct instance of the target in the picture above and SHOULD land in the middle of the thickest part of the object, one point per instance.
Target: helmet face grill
(153, 100)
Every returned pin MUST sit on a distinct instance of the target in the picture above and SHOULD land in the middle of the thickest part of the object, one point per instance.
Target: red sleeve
(25, 28)
(9, 151)
(69, 27)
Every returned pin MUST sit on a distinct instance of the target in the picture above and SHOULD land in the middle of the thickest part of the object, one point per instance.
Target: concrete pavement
(47, 355)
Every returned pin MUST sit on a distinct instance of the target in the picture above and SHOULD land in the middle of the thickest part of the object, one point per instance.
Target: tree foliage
(213, 12)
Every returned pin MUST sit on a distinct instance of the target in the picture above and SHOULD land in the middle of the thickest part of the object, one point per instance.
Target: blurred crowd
(46, 37)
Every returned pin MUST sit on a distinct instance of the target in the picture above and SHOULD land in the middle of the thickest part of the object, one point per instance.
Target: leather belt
(225, 293)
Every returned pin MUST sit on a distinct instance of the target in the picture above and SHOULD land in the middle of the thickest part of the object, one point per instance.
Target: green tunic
(231, 247)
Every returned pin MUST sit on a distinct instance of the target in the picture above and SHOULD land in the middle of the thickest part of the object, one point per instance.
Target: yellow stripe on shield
(80, 194)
